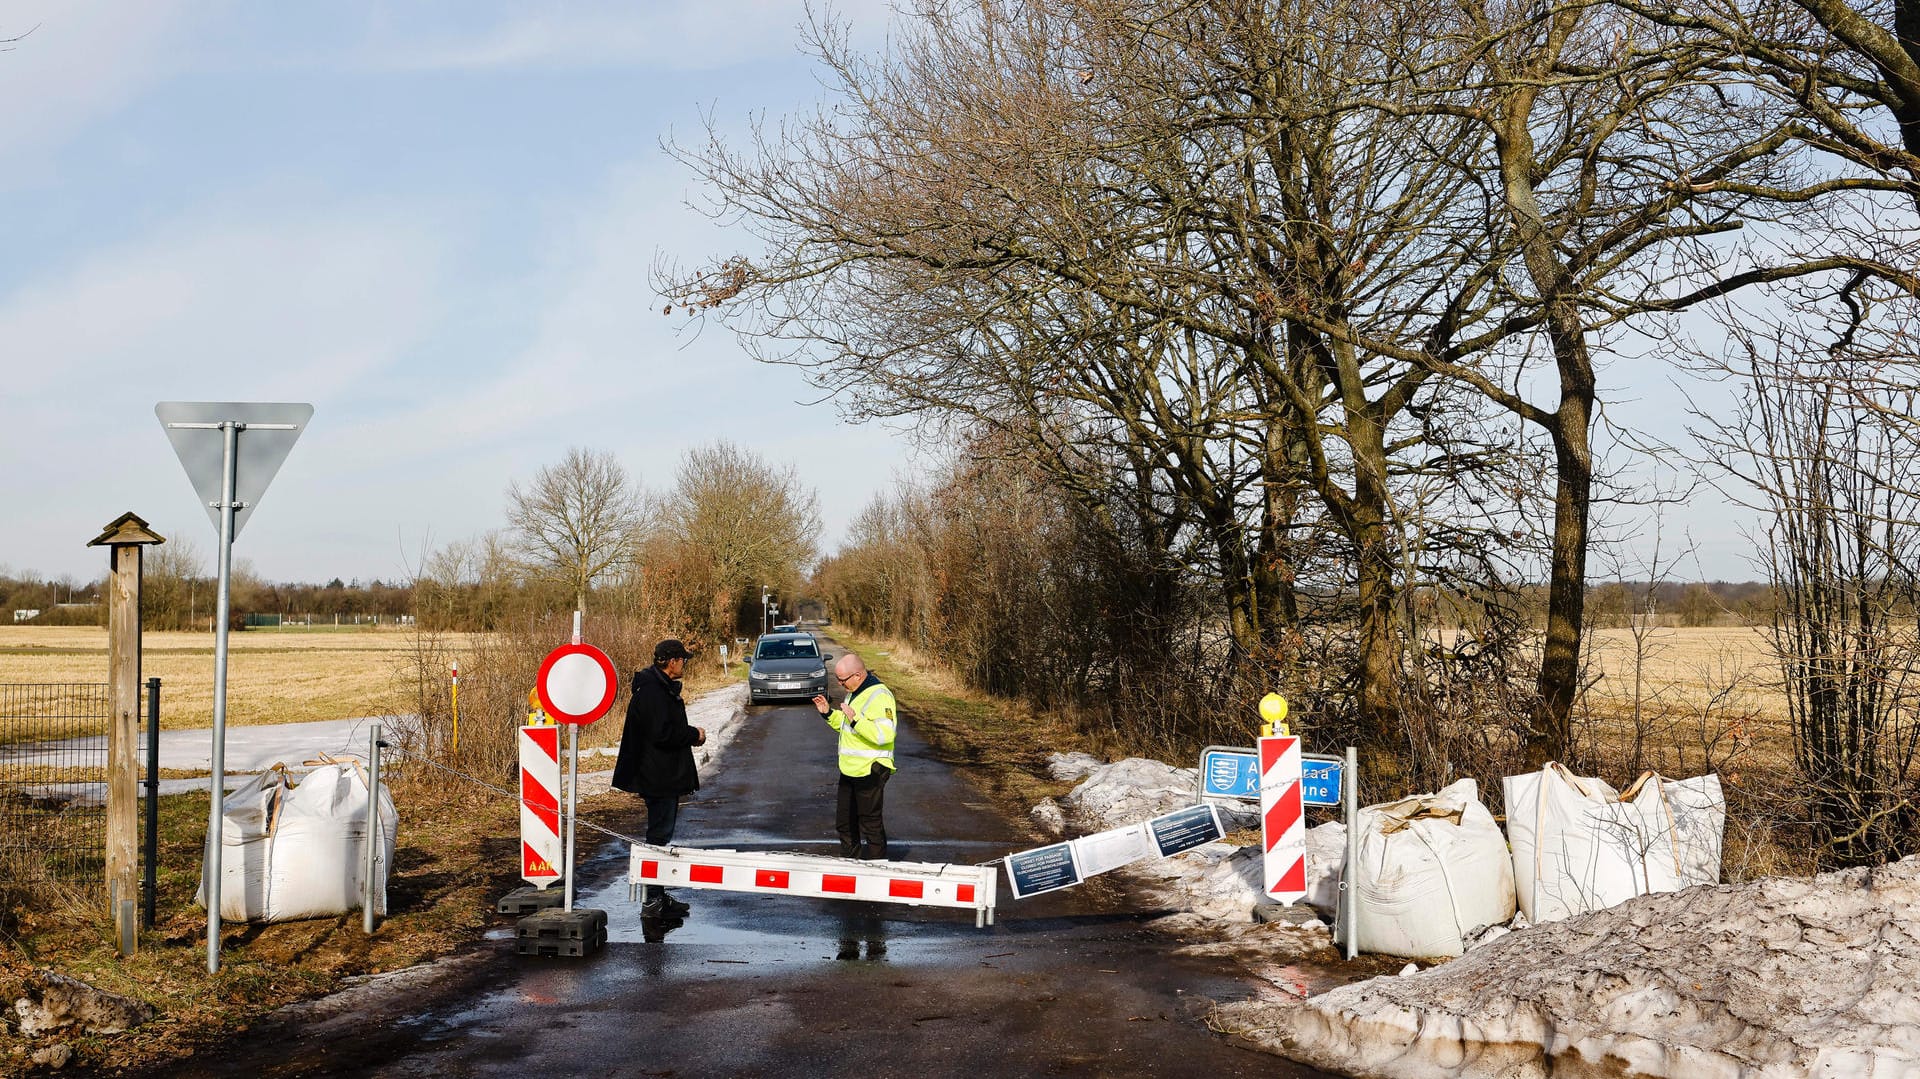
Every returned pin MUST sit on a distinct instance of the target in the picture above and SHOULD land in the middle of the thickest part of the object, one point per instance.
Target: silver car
(787, 665)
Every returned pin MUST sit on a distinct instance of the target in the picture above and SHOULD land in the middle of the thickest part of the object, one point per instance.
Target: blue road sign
(1320, 782)
(1228, 772)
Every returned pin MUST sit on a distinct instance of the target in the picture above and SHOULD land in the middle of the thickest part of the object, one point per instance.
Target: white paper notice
(1103, 851)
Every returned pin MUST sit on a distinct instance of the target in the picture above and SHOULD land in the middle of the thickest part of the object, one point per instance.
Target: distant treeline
(173, 600)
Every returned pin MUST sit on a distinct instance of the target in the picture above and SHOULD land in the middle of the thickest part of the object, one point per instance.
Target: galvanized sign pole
(238, 491)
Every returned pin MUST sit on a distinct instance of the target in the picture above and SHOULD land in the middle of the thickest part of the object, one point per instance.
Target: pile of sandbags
(1434, 868)
(292, 851)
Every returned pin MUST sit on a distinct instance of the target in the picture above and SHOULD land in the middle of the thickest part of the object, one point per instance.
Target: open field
(1694, 685)
(273, 675)
(1689, 665)
(280, 675)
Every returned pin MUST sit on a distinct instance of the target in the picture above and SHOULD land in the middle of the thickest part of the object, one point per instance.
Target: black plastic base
(562, 933)
(530, 900)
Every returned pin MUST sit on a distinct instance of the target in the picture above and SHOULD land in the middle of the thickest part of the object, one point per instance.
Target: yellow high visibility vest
(868, 738)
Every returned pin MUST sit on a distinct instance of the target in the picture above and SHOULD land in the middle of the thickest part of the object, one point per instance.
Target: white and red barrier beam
(919, 884)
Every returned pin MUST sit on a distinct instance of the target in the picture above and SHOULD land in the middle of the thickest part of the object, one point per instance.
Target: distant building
(26, 614)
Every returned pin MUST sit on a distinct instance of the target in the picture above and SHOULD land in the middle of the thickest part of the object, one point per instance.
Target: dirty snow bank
(1780, 977)
(718, 712)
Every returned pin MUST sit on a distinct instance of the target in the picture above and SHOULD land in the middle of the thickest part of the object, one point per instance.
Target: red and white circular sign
(577, 683)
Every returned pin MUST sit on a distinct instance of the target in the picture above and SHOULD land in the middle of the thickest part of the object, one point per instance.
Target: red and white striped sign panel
(540, 805)
(1283, 823)
(919, 884)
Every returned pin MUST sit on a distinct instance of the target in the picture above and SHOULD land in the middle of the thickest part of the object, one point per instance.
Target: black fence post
(150, 881)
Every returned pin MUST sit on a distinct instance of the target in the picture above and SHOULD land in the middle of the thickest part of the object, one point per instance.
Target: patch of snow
(1049, 816)
(1775, 978)
(1068, 767)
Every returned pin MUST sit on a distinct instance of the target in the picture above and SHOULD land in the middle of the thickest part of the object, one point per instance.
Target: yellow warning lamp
(536, 716)
(1273, 716)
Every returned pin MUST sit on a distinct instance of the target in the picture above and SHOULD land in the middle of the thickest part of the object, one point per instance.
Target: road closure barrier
(918, 884)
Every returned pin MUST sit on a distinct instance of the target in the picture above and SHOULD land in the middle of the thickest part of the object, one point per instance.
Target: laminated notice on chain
(1063, 865)
(1185, 829)
(1104, 851)
(1043, 869)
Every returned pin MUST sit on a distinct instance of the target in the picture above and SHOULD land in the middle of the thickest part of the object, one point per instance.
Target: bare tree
(577, 521)
(739, 522)
(1825, 440)
(175, 588)
(1144, 255)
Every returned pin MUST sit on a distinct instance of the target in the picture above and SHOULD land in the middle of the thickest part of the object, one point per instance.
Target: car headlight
(821, 673)
(758, 676)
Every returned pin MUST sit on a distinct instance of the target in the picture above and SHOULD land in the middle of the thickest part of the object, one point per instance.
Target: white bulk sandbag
(246, 834)
(292, 852)
(1579, 845)
(319, 852)
(1431, 869)
(1695, 811)
(1326, 861)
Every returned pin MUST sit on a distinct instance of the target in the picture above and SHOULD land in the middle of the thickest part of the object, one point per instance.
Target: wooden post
(124, 538)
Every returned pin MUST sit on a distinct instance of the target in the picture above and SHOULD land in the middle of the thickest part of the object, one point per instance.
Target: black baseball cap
(671, 648)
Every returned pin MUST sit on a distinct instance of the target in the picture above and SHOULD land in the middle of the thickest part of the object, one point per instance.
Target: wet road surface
(1070, 983)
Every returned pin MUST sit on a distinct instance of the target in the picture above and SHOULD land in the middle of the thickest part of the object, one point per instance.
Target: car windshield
(790, 649)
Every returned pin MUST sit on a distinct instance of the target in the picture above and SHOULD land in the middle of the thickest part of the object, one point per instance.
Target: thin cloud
(75, 60)
(685, 36)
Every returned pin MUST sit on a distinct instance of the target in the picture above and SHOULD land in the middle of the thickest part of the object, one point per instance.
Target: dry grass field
(1692, 683)
(1689, 664)
(273, 675)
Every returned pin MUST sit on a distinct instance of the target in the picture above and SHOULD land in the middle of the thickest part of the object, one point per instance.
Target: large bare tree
(739, 522)
(577, 521)
(1278, 263)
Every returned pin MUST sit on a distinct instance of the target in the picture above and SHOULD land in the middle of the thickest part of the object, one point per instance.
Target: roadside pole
(573, 779)
(576, 685)
(372, 833)
(1349, 898)
(230, 482)
(126, 539)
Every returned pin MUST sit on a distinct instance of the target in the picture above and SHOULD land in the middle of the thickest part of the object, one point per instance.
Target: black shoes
(659, 905)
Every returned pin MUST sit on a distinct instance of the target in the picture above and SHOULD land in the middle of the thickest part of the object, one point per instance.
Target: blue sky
(435, 222)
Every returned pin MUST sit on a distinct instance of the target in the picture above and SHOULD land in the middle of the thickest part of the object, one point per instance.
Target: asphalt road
(1071, 983)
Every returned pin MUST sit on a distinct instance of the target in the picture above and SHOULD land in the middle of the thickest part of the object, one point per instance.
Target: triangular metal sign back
(268, 433)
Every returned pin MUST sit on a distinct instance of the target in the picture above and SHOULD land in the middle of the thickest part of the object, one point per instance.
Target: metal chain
(578, 823)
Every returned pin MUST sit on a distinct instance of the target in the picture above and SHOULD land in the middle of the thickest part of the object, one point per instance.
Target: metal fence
(53, 785)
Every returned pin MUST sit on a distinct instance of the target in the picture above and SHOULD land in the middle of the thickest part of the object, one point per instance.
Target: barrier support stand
(372, 832)
(1350, 809)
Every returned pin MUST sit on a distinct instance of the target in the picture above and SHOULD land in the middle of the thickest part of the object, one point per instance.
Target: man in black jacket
(656, 756)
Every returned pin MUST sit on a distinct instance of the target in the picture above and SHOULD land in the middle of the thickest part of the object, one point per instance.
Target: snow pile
(1132, 790)
(1781, 977)
(1125, 791)
(1068, 767)
(1216, 880)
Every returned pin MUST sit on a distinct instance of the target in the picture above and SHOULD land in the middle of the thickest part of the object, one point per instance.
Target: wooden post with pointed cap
(124, 538)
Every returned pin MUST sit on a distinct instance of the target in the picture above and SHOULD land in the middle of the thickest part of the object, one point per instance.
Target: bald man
(866, 720)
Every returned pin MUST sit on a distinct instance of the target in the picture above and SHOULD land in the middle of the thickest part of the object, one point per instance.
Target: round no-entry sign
(577, 683)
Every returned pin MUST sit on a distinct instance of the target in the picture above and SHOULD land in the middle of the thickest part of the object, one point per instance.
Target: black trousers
(858, 814)
(662, 814)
